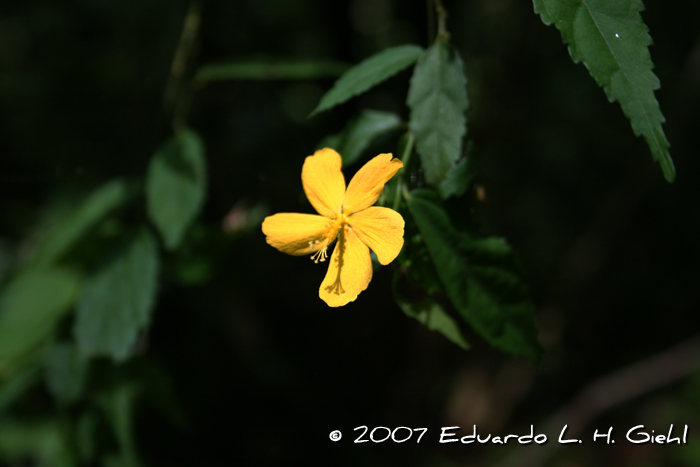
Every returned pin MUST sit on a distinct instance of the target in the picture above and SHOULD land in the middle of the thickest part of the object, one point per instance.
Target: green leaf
(67, 233)
(65, 372)
(367, 74)
(116, 301)
(359, 133)
(438, 99)
(118, 406)
(13, 389)
(30, 308)
(176, 185)
(431, 315)
(86, 435)
(45, 442)
(480, 277)
(269, 70)
(458, 179)
(416, 284)
(611, 39)
(156, 387)
(334, 141)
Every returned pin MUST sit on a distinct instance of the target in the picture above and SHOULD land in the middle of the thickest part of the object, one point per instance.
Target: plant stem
(406, 159)
(177, 92)
(443, 35)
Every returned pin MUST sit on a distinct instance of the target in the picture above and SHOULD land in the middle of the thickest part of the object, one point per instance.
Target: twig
(442, 34)
(590, 250)
(608, 391)
(176, 98)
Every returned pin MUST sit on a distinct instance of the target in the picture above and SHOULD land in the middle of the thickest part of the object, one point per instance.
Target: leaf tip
(669, 169)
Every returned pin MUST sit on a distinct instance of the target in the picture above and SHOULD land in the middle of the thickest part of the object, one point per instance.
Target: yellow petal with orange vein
(349, 271)
(323, 182)
(291, 232)
(381, 229)
(367, 184)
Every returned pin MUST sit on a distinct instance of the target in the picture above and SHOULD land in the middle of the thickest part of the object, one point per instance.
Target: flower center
(320, 245)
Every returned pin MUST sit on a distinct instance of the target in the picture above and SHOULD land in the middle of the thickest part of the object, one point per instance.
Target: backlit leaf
(438, 99)
(117, 299)
(367, 74)
(176, 185)
(611, 39)
(480, 277)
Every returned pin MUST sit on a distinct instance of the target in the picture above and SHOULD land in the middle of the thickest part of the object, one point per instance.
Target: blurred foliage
(144, 321)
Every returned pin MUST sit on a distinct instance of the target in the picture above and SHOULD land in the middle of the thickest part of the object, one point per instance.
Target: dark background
(262, 368)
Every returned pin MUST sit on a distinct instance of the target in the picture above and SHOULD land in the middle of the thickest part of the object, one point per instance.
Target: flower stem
(406, 159)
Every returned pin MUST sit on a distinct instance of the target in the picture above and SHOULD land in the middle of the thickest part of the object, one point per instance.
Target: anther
(320, 255)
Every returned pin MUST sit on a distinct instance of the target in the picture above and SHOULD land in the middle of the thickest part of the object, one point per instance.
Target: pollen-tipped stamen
(328, 237)
(320, 255)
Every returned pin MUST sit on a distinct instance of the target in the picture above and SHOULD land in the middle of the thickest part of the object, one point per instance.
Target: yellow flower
(346, 215)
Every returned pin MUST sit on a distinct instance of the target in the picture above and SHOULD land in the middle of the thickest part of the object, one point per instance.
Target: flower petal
(323, 182)
(381, 229)
(291, 233)
(367, 184)
(349, 271)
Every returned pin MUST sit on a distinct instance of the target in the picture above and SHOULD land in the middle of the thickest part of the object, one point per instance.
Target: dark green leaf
(333, 141)
(118, 460)
(415, 260)
(438, 99)
(260, 70)
(480, 277)
(415, 285)
(367, 74)
(116, 300)
(45, 442)
(611, 39)
(458, 179)
(118, 405)
(12, 389)
(431, 315)
(359, 133)
(86, 430)
(65, 372)
(68, 232)
(158, 389)
(30, 308)
(176, 185)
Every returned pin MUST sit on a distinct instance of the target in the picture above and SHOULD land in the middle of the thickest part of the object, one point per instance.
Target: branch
(175, 98)
(608, 391)
(442, 35)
